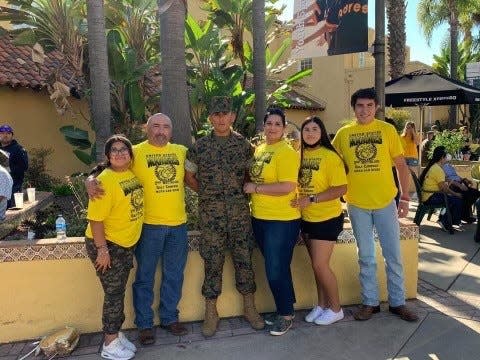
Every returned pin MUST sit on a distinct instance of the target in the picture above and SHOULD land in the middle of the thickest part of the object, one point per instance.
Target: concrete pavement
(449, 328)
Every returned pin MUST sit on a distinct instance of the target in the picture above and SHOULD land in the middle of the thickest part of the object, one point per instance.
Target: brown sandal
(146, 336)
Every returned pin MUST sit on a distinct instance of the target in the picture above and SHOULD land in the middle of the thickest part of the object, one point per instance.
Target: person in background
(394, 169)
(432, 180)
(114, 226)
(322, 181)
(425, 147)
(463, 186)
(276, 224)
(6, 183)
(410, 142)
(18, 159)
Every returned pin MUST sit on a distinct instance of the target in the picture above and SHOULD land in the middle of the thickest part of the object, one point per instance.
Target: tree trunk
(396, 12)
(452, 119)
(174, 99)
(99, 78)
(379, 53)
(259, 62)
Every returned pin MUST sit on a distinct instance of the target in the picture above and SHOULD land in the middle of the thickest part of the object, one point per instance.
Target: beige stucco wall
(48, 294)
(36, 123)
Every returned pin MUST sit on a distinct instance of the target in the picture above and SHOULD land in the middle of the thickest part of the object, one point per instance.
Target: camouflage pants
(113, 281)
(221, 231)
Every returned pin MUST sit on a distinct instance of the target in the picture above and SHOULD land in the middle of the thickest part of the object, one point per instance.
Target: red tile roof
(18, 69)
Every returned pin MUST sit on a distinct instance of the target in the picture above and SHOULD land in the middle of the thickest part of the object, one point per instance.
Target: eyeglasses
(119, 151)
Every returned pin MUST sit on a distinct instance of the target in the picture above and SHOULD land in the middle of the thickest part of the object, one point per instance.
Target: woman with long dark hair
(275, 223)
(432, 180)
(322, 181)
(114, 226)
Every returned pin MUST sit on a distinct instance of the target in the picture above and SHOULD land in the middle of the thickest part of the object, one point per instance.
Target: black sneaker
(270, 318)
(281, 326)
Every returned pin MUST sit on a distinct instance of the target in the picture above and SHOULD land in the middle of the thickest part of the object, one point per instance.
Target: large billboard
(329, 27)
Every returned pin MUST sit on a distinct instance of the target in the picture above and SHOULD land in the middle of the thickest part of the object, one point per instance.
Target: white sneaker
(329, 317)
(127, 343)
(315, 313)
(116, 351)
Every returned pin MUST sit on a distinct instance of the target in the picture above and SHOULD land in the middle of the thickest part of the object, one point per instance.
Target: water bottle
(61, 228)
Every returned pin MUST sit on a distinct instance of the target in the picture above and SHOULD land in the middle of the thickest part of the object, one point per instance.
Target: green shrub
(37, 175)
(62, 190)
(452, 140)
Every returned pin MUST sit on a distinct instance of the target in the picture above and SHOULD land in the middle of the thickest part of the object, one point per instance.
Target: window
(361, 59)
(306, 64)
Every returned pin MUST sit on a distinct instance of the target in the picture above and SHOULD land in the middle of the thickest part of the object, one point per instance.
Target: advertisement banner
(329, 27)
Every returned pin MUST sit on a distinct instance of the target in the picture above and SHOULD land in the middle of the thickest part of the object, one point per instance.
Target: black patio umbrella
(426, 88)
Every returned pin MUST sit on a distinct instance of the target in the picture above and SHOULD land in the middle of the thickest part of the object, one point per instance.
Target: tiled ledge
(74, 248)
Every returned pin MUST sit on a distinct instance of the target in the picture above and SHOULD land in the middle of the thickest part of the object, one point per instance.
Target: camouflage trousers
(224, 230)
(114, 281)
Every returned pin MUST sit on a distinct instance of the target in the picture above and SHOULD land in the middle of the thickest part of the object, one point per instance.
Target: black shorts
(323, 230)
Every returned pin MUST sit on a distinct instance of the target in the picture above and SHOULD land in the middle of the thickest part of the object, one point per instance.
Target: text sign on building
(329, 27)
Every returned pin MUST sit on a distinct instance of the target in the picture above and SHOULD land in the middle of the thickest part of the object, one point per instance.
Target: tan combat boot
(250, 312)
(211, 318)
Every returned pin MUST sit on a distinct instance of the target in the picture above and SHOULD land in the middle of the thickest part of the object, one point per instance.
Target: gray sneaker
(281, 326)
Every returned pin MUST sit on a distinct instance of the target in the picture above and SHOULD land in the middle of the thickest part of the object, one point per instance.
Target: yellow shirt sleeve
(120, 209)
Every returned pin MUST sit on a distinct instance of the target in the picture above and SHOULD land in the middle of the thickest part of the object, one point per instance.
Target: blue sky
(419, 49)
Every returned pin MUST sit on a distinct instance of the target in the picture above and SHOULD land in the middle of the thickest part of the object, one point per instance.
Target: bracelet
(102, 251)
(405, 201)
(101, 246)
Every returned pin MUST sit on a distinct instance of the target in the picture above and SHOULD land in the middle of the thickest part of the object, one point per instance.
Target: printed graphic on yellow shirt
(133, 187)
(365, 145)
(306, 172)
(259, 162)
(165, 172)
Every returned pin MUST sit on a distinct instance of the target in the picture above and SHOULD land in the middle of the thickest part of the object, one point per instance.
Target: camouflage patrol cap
(220, 104)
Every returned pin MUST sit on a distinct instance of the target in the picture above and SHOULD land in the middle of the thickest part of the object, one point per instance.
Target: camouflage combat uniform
(224, 210)
(114, 281)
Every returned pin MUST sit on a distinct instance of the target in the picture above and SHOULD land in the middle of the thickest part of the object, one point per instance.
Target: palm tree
(99, 79)
(174, 99)
(431, 14)
(259, 62)
(396, 13)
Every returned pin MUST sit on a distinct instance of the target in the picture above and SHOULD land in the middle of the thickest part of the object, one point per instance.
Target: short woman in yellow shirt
(276, 224)
(410, 143)
(432, 180)
(114, 226)
(322, 181)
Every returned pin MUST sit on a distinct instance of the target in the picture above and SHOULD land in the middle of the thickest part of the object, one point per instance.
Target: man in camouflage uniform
(218, 164)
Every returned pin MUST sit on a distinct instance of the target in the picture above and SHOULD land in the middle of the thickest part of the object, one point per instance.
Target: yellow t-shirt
(274, 163)
(321, 169)
(409, 147)
(434, 176)
(120, 209)
(161, 170)
(368, 151)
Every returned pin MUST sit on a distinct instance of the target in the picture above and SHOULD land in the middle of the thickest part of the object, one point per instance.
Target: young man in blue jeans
(368, 147)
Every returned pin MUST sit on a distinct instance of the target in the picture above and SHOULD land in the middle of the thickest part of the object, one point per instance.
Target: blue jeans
(276, 240)
(385, 221)
(170, 244)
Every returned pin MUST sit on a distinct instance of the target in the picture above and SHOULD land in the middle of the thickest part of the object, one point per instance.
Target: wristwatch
(312, 198)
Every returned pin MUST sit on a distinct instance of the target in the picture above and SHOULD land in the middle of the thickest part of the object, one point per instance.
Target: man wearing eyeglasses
(160, 167)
